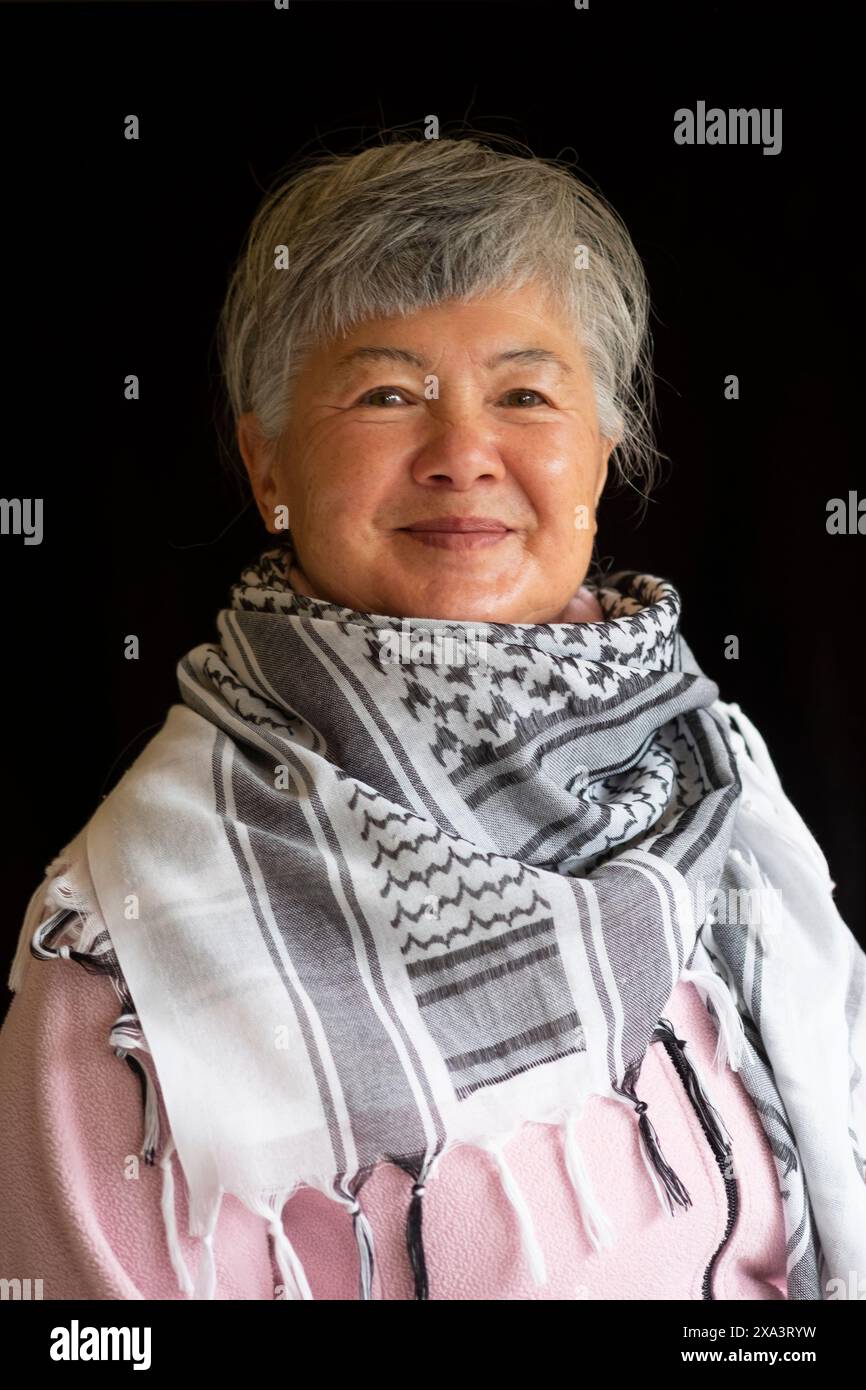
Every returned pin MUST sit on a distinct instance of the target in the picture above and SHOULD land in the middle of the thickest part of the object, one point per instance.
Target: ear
(258, 457)
(607, 448)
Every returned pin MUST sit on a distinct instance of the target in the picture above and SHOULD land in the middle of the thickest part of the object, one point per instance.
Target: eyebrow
(526, 356)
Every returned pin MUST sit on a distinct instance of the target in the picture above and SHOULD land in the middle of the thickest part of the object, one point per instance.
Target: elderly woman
(462, 942)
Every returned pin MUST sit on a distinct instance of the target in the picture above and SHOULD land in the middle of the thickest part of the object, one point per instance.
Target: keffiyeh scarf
(380, 887)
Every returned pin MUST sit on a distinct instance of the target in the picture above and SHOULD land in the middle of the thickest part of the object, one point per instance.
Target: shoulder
(764, 802)
(71, 1114)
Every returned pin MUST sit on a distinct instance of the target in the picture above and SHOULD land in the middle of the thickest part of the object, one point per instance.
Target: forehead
(529, 354)
(507, 328)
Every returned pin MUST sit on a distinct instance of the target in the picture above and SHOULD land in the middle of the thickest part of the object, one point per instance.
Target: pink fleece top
(70, 1215)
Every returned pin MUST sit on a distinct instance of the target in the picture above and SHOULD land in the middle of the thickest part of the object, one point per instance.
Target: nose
(458, 456)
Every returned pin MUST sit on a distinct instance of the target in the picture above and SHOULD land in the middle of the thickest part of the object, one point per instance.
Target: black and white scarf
(381, 886)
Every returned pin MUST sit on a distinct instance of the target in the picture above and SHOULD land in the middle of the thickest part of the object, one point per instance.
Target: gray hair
(405, 225)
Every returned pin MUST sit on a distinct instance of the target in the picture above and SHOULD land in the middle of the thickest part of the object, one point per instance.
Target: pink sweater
(70, 1215)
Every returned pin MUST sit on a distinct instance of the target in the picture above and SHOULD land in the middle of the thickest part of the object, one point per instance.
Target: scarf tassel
(169, 1219)
(671, 1191)
(126, 1033)
(29, 938)
(712, 1121)
(596, 1222)
(290, 1267)
(364, 1240)
(295, 1284)
(54, 896)
(414, 1233)
(532, 1251)
(362, 1230)
(732, 1045)
(415, 1243)
(150, 1142)
(205, 1281)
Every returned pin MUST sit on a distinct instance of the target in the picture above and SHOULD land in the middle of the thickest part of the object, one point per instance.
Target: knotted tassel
(532, 1251)
(203, 1216)
(289, 1264)
(596, 1222)
(184, 1280)
(713, 1123)
(291, 1269)
(150, 1142)
(347, 1196)
(415, 1242)
(732, 1044)
(364, 1240)
(48, 929)
(672, 1190)
(414, 1236)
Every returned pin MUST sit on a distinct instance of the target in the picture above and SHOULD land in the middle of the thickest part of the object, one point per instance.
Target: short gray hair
(404, 225)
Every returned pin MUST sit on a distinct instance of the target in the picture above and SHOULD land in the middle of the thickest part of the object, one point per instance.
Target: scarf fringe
(289, 1263)
(363, 1232)
(767, 922)
(169, 1219)
(414, 1235)
(42, 900)
(787, 822)
(596, 1222)
(150, 1142)
(26, 941)
(71, 931)
(532, 1251)
(668, 1187)
(364, 1241)
(732, 1045)
(715, 1126)
(127, 1034)
(295, 1284)
(206, 1279)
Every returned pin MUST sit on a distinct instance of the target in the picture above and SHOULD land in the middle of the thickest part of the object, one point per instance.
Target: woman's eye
(523, 391)
(369, 397)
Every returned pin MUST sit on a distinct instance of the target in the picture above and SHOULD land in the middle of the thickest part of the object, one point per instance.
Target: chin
(455, 607)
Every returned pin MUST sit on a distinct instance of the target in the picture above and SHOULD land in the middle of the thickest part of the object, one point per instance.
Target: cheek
(557, 485)
(339, 489)
(558, 462)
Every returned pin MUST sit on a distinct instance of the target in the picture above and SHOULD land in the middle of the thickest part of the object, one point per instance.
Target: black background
(115, 261)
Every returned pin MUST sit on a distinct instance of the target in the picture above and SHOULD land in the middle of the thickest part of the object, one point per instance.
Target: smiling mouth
(458, 532)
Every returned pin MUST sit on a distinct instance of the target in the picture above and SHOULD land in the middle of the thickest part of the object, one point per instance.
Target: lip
(458, 532)
(459, 524)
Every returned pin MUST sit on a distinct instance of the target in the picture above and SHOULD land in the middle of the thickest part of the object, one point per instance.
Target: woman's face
(467, 411)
